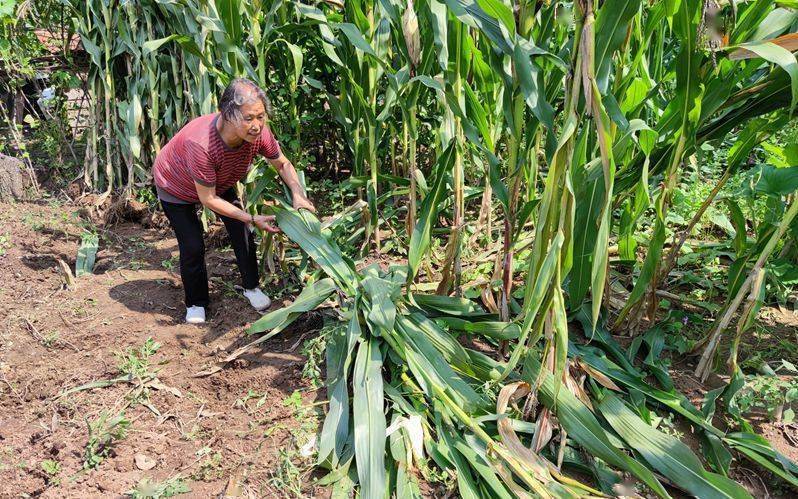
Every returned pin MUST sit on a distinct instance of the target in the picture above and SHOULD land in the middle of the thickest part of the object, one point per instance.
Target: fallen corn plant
(405, 393)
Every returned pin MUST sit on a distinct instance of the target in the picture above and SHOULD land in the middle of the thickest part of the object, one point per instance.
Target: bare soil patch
(210, 433)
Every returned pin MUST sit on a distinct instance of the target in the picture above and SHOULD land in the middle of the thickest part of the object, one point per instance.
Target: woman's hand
(288, 174)
(300, 201)
(265, 222)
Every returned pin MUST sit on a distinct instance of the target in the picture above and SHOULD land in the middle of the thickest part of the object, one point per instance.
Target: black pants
(188, 230)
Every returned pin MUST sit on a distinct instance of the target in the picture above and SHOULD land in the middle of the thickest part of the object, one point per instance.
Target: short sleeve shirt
(198, 153)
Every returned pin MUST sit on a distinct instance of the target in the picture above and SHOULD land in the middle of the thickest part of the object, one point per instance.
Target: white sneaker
(257, 298)
(195, 315)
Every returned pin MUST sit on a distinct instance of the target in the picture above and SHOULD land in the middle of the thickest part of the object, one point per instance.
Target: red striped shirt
(198, 153)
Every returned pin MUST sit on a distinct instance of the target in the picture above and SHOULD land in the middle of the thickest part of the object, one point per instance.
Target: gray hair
(241, 91)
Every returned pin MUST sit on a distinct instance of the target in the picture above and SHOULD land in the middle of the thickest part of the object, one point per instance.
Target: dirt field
(238, 429)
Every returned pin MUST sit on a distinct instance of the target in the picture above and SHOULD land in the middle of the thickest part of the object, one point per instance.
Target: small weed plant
(104, 433)
(52, 469)
(313, 349)
(295, 458)
(136, 362)
(210, 468)
(148, 489)
(170, 263)
(5, 243)
(772, 394)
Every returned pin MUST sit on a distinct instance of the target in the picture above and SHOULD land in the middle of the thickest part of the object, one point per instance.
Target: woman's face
(250, 125)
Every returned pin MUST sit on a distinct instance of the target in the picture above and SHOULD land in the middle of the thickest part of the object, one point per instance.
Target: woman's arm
(209, 199)
(288, 174)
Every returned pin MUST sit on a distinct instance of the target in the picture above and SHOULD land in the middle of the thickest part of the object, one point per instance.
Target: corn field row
(548, 130)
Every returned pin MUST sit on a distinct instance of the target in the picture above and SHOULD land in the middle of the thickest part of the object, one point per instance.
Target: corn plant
(360, 49)
(395, 359)
(155, 65)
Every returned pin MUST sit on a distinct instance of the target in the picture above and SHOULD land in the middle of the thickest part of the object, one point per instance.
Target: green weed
(34, 221)
(170, 263)
(211, 467)
(147, 489)
(314, 349)
(104, 433)
(294, 400)
(5, 243)
(50, 338)
(136, 264)
(136, 362)
(52, 469)
(771, 392)
(295, 459)
(288, 476)
(251, 395)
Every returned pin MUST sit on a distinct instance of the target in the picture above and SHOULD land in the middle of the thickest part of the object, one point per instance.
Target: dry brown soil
(198, 430)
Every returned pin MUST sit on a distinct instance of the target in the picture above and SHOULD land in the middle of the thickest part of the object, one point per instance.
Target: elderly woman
(202, 164)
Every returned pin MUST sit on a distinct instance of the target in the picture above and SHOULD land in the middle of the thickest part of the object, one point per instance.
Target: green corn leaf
(381, 295)
(369, 420)
(466, 484)
(777, 55)
(591, 194)
(420, 239)
(759, 450)
(477, 115)
(484, 367)
(500, 11)
(598, 272)
(439, 27)
(312, 296)
(667, 454)
(471, 14)
(429, 361)
(335, 430)
(535, 296)
(297, 57)
(448, 346)
(185, 41)
(430, 377)
(527, 73)
(490, 329)
(612, 20)
(560, 323)
(476, 453)
(716, 453)
(633, 380)
(448, 305)
(355, 37)
(93, 49)
(608, 345)
(304, 229)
